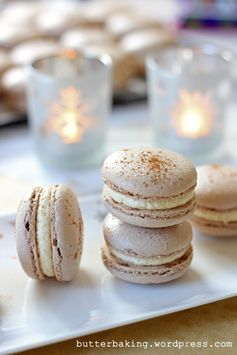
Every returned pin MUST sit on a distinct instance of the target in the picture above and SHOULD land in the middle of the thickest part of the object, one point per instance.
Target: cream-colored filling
(161, 203)
(148, 261)
(217, 216)
(43, 234)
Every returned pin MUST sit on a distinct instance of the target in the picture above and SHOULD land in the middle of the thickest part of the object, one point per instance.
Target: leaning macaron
(146, 255)
(216, 192)
(49, 233)
(149, 187)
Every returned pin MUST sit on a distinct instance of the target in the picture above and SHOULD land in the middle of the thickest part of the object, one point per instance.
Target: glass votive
(69, 100)
(188, 93)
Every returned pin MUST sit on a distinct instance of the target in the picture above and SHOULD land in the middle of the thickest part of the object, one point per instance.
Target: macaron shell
(217, 186)
(147, 275)
(214, 229)
(149, 172)
(25, 228)
(150, 218)
(146, 242)
(66, 232)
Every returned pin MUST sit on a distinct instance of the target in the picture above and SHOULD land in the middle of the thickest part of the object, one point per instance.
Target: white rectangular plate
(36, 313)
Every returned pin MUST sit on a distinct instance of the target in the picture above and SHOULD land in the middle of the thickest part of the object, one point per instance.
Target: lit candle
(193, 116)
(69, 117)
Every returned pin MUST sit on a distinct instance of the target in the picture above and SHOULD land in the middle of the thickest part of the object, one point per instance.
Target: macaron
(52, 21)
(13, 86)
(11, 35)
(78, 37)
(149, 187)
(19, 13)
(146, 255)
(145, 41)
(49, 233)
(4, 60)
(29, 51)
(96, 13)
(216, 192)
(120, 24)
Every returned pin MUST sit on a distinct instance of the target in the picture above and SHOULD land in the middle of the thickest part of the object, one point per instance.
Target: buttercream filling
(159, 203)
(216, 215)
(149, 261)
(43, 234)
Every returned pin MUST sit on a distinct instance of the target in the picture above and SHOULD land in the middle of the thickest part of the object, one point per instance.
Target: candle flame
(193, 115)
(68, 53)
(68, 116)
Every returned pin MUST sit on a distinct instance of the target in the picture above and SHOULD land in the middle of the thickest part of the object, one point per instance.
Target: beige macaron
(11, 35)
(49, 233)
(20, 13)
(216, 192)
(13, 87)
(52, 21)
(149, 187)
(120, 24)
(96, 13)
(78, 37)
(4, 60)
(143, 42)
(29, 51)
(146, 255)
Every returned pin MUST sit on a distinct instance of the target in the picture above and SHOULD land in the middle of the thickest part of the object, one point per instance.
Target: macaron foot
(147, 274)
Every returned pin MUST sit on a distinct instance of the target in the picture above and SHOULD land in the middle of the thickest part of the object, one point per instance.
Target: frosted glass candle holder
(69, 100)
(188, 92)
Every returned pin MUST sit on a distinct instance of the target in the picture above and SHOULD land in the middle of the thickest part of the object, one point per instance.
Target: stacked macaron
(149, 194)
